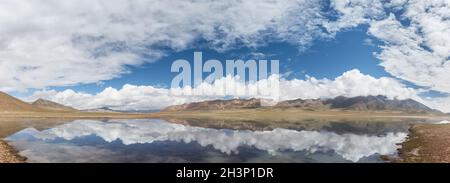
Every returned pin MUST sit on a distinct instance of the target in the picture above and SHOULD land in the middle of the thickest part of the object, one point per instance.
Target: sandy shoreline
(9, 155)
(426, 143)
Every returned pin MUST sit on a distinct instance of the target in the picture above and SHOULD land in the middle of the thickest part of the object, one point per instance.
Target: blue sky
(119, 53)
(326, 58)
(348, 50)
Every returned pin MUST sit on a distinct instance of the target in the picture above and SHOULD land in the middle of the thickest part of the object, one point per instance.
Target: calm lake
(153, 140)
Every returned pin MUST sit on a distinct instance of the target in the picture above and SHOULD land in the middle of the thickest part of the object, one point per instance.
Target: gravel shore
(8, 154)
(426, 144)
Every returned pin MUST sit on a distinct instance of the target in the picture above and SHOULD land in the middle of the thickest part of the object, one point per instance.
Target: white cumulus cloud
(131, 97)
(63, 43)
(417, 43)
(352, 13)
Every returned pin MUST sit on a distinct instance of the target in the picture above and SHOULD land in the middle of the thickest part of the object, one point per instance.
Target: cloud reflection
(350, 146)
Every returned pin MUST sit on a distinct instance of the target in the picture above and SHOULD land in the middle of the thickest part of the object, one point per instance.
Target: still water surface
(153, 140)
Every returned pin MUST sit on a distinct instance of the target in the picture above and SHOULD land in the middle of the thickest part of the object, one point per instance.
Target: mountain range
(361, 103)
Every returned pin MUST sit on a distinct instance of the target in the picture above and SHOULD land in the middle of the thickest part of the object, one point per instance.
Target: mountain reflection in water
(160, 141)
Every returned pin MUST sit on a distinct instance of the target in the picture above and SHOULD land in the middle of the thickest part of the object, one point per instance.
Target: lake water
(153, 140)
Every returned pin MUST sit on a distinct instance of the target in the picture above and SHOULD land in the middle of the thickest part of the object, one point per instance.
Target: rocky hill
(11, 104)
(217, 105)
(377, 103)
(49, 105)
(312, 104)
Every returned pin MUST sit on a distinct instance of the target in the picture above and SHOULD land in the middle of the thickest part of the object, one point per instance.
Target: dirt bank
(8, 154)
(426, 143)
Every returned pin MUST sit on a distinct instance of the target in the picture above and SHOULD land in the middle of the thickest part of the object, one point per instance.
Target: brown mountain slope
(361, 103)
(49, 105)
(378, 103)
(217, 105)
(11, 104)
(312, 104)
